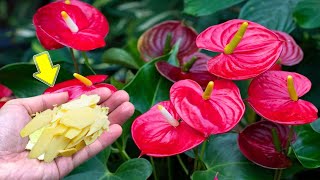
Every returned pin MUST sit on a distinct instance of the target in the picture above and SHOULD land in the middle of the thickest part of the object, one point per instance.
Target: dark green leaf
(148, 87)
(316, 125)
(119, 56)
(307, 146)
(206, 7)
(273, 14)
(307, 14)
(134, 169)
(222, 155)
(18, 77)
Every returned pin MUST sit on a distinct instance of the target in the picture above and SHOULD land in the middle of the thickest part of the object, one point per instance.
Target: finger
(116, 100)
(39, 103)
(121, 113)
(101, 143)
(104, 93)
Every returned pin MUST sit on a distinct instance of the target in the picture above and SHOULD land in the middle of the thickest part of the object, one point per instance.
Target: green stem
(276, 140)
(203, 149)
(169, 168)
(154, 169)
(182, 165)
(291, 132)
(75, 63)
(277, 174)
(195, 165)
(122, 152)
(86, 62)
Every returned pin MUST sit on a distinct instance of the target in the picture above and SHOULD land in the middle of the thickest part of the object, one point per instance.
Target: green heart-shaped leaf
(274, 14)
(307, 146)
(222, 155)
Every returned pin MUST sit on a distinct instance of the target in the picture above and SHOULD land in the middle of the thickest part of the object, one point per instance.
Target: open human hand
(15, 114)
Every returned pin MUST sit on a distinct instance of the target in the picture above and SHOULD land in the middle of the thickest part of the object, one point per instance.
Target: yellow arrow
(47, 73)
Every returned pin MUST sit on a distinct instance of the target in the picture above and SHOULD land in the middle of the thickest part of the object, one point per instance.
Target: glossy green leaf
(95, 168)
(273, 14)
(307, 146)
(316, 125)
(119, 56)
(222, 155)
(206, 7)
(148, 87)
(18, 77)
(307, 14)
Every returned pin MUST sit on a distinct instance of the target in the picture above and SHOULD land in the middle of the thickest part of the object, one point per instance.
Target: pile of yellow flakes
(66, 129)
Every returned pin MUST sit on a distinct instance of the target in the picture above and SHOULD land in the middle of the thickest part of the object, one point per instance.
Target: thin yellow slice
(67, 152)
(57, 143)
(90, 139)
(79, 118)
(72, 133)
(39, 121)
(78, 138)
(80, 145)
(45, 139)
(84, 101)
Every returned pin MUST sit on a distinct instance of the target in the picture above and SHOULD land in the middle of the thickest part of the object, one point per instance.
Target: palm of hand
(14, 162)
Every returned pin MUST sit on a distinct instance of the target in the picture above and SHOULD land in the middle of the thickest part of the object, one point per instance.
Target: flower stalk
(75, 63)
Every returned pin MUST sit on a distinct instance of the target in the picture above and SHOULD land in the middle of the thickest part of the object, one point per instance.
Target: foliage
(121, 61)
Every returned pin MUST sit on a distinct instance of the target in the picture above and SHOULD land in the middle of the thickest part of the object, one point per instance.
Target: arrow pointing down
(47, 73)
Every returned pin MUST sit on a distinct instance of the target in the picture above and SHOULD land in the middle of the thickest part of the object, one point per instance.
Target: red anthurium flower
(80, 85)
(5, 93)
(192, 67)
(216, 110)
(159, 40)
(247, 49)
(291, 53)
(70, 23)
(160, 132)
(265, 143)
(275, 96)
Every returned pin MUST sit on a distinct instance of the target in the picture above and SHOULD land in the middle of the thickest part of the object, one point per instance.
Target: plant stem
(277, 174)
(86, 62)
(75, 63)
(169, 168)
(203, 149)
(195, 165)
(182, 165)
(122, 152)
(291, 132)
(276, 140)
(154, 169)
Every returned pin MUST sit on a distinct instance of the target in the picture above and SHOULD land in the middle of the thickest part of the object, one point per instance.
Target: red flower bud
(257, 143)
(71, 23)
(81, 85)
(275, 96)
(159, 132)
(216, 110)
(159, 40)
(247, 49)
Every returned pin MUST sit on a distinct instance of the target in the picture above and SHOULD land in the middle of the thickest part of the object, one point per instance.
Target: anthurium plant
(221, 89)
